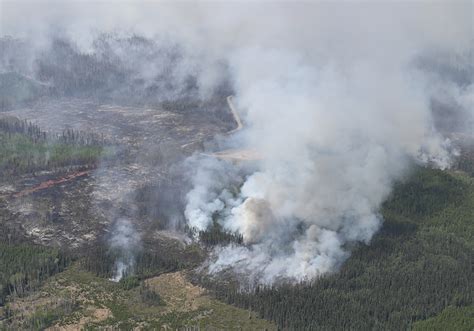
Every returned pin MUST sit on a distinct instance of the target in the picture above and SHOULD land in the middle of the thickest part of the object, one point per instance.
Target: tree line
(418, 265)
(24, 265)
(25, 148)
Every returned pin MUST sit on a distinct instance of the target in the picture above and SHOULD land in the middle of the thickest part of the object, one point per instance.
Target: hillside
(236, 165)
(416, 273)
(56, 261)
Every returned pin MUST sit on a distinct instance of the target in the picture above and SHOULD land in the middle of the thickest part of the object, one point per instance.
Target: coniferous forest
(417, 267)
(415, 273)
(242, 165)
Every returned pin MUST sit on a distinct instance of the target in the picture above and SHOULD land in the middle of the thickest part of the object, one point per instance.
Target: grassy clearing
(451, 318)
(99, 303)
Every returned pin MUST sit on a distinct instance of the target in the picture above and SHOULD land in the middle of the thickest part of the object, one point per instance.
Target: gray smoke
(334, 100)
(125, 242)
(338, 112)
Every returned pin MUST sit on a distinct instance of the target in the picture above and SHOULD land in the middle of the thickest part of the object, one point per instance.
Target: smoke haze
(125, 242)
(336, 98)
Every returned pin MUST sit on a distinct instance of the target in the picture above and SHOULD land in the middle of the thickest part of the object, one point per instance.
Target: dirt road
(235, 155)
(235, 114)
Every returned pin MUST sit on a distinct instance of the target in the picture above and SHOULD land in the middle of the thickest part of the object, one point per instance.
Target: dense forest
(24, 265)
(148, 261)
(418, 266)
(334, 126)
(215, 235)
(415, 274)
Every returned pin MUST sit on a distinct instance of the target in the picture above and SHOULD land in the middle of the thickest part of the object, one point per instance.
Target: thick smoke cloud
(336, 98)
(332, 145)
(337, 118)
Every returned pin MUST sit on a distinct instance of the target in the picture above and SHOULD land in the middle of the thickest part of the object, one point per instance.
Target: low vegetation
(451, 318)
(165, 302)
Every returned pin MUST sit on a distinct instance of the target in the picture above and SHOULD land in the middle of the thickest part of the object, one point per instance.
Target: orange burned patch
(49, 183)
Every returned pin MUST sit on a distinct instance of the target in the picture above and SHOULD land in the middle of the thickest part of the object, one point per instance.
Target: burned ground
(137, 182)
(74, 208)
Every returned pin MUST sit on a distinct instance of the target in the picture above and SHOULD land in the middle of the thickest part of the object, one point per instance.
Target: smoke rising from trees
(335, 98)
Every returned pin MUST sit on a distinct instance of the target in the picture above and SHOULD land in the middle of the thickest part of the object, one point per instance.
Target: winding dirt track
(235, 114)
(235, 155)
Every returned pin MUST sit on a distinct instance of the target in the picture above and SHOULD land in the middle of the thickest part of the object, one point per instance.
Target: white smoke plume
(125, 242)
(336, 118)
(333, 100)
